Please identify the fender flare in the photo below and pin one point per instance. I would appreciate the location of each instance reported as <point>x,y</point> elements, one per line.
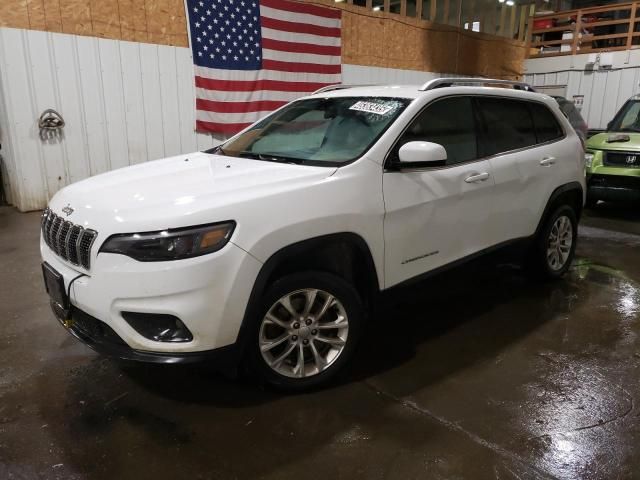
<point>260,284</point>
<point>562,189</point>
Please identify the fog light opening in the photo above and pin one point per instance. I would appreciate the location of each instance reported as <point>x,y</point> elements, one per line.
<point>159,327</point>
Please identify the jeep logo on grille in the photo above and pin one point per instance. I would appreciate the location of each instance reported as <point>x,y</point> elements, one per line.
<point>68,210</point>
<point>631,159</point>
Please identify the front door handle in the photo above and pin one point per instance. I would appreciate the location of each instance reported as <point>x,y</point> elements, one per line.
<point>547,161</point>
<point>477,177</point>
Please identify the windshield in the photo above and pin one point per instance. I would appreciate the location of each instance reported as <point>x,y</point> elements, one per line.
<point>627,119</point>
<point>317,131</point>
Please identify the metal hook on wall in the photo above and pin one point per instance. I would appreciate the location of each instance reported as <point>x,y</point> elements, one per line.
<point>50,124</point>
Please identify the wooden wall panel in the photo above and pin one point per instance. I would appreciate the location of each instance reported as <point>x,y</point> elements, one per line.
<point>369,38</point>
<point>387,40</point>
<point>149,21</point>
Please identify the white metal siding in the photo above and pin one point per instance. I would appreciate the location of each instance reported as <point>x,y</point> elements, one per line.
<point>604,89</point>
<point>123,103</point>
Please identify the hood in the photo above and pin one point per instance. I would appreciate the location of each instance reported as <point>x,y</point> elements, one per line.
<point>601,141</point>
<point>176,192</point>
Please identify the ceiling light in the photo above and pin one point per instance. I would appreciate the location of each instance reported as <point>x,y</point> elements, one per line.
<point>377,8</point>
<point>510,3</point>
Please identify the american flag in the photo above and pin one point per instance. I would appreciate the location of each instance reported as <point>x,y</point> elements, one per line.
<point>253,56</point>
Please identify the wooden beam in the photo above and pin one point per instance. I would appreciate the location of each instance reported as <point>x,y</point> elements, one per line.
<point>604,23</point>
<point>512,23</point>
<point>523,20</point>
<point>432,13</point>
<point>403,8</point>
<point>632,24</point>
<point>419,9</point>
<point>503,20</point>
<point>551,43</point>
<point>563,28</point>
<point>577,28</point>
<point>445,12</point>
<point>482,15</point>
<point>470,15</point>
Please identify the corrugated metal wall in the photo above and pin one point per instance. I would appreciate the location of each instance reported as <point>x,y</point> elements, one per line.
<point>604,89</point>
<point>123,103</point>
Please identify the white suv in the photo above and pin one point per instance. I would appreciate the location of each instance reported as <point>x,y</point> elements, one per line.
<point>272,247</point>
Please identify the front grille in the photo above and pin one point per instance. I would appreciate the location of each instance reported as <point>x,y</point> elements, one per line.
<point>67,240</point>
<point>615,181</point>
<point>622,159</point>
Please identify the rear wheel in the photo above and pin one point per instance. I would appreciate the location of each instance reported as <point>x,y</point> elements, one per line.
<point>555,245</point>
<point>306,331</point>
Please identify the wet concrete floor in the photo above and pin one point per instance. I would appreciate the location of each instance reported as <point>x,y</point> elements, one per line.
<point>476,374</point>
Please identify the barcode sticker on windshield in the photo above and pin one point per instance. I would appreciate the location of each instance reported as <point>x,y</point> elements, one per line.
<point>371,107</point>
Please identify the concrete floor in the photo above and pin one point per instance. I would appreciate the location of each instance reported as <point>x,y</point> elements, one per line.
<point>476,374</point>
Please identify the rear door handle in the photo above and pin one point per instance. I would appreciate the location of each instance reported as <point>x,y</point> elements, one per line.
<point>477,177</point>
<point>547,161</point>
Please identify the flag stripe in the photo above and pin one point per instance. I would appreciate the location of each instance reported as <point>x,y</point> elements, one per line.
<point>249,96</point>
<point>238,107</point>
<point>301,67</point>
<point>251,85</point>
<point>269,54</point>
<point>297,47</point>
<point>220,127</point>
<point>240,75</point>
<point>300,27</point>
<point>300,38</point>
<point>248,117</point>
<point>303,8</point>
<point>298,16</point>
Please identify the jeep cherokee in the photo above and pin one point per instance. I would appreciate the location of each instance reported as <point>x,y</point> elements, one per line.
<point>272,247</point>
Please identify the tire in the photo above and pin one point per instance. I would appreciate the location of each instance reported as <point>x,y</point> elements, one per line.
<point>325,349</point>
<point>546,264</point>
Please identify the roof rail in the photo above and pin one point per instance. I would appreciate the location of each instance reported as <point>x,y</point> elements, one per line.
<point>338,86</point>
<point>449,82</point>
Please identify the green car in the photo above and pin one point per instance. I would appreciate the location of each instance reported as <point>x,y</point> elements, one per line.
<point>613,158</point>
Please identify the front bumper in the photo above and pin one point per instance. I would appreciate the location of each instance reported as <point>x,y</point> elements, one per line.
<point>101,338</point>
<point>208,294</point>
<point>613,187</point>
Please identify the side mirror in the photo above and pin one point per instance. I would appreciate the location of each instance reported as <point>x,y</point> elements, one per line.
<point>422,154</point>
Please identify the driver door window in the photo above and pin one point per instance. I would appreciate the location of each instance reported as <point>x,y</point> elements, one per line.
<point>450,123</point>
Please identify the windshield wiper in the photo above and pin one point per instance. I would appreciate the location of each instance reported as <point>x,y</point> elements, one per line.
<point>216,149</point>
<point>270,158</point>
<point>627,129</point>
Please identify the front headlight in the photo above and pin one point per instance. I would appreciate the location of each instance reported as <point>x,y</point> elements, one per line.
<point>588,159</point>
<point>173,244</point>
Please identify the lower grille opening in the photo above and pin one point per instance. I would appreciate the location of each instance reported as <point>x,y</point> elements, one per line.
<point>159,327</point>
<point>95,329</point>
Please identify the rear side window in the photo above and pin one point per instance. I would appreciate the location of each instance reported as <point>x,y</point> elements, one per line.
<point>545,122</point>
<point>508,125</point>
<point>448,122</point>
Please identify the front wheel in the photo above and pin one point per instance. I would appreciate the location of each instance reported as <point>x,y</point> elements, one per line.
<point>307,330</point>
<point>555,244</point>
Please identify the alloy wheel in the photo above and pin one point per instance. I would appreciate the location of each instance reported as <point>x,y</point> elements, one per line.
<point>303,333</point>
<point>559,243</point>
